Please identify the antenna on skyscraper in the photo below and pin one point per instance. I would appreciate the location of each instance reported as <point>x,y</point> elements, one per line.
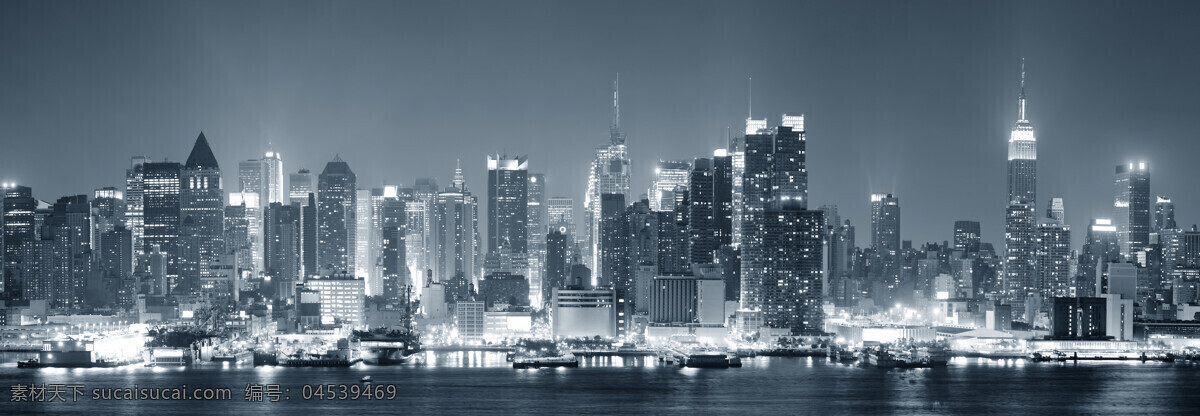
<point>750,97</point>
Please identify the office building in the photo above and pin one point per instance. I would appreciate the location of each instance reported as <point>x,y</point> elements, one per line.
<point>336,216</point>
<point>1131,205</point>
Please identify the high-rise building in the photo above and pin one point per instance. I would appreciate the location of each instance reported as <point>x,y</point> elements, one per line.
<point>202,214</point>
<point>723,197</point>
<point>702,227</point>
<point>337,219</point>
<point>609,175</point>
<point>134,202</point>
<point>250,248</point>
<point>967,236</point>
<point>1056,210</point>
<point>251,177</point>
<point>613,249</point>
<point>365,242</point>
<point>536,232</point>
<point>1164,214</point>
<point>885,223</point>
<point>1020,262</point>
<point>1101,248</point>
<point>1053,239</point>
<point>20,232</point>
<point>508,205</point>
<point>108,212</point>
<point>309,237</point>
<point>272,177</point>
<point>300,184</point>
<point>160,196</point>
<point>65,260</point>
<point>456,234</point>
<point>282,236</point>
<point>1020,220</point>
<point>1132,207</point>
<point>393,257</point>
<point>668,174</point>
<point>422,231</point>
<point>781,267</point>
<point>558,265</point>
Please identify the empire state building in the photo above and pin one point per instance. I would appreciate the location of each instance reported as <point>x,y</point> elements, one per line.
<point>1019,222</point>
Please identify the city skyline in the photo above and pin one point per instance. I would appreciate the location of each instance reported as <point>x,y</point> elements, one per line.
<point>846,127</point>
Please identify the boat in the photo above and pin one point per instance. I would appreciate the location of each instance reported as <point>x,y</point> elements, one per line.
<point>706,359</point>
<point>880,357</point>
<point>735,361</point>
<point>390,348</point>
<point>365,380</point>
<point>568,360</point>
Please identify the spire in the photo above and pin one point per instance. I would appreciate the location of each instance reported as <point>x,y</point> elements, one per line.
<point>750,98</point>
<point>458,175</point>
<point>202,155</point>
<point>614,131</point>
<point>1021,101</point>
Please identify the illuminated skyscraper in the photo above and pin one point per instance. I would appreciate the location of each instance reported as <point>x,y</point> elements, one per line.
<point>1164,214</point>
<point>1131,203</point>
<point>134,203</point>
<point>19,233</point>
<point>536,232</point>
<point>1020,220</point>
<point>456,233</point>
<point>609,175</point>
<point>337,219</point>
<point>1053,239</point>
<point>966,236</point>
<point>300,184</point>
<point>202,214</point>
<point>160,195</point>
<point>508,203</point>
<point>272,175</point>
<point>668,174</point>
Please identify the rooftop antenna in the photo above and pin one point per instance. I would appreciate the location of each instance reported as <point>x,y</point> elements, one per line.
<point>750,97</point>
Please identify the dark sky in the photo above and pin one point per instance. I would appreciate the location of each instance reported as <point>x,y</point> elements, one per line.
<point>914,98</point>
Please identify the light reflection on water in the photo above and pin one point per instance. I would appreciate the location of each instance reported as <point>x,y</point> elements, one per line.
<point>472,382</point>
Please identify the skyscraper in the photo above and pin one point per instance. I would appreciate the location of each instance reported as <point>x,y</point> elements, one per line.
<point>272,175</point>
<point>300,184</point>
<point>19,232</point>
<point>134,202</point>
<point>508,203</point>
<point>781,267</point>
<point>536,232</point>
<point>337,219</point>
<point>252,177</point>
<point>202,214</point>
<point>1053,239</point>
<point>609,175</point>
<point>1164,214</point>
<point>1132,205</point>
<point>885,223</point>
<point>702,231</point>
<point>966,236</point>
<point>668,174</point>
<point>160,195</point>
<point>1101,248</point>
<point>1056,210</point>
<point>456,233</point>
<point>1020,220</point>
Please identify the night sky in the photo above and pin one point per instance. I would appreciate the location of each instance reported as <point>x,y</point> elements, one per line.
<point>912,98</point>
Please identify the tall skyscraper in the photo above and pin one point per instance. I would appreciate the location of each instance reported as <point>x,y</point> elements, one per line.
<point>134,202</point>
<point>885,223</point>
<point>1164,214</point>
<point>967,236</point>
<point>202,214</point>
<point>456,233</point>
<point>1020,220</point>
<point>609,175</point>
<point>1101,248</point>
<point>396,282</point>
<point>252,177</point>
<point>300,184</point>
<point>160,195</point>
<point>66,258</point>
<point>19,233</point>
<point>536,232</point>
<point>723,196</point>
<point>108,212</point>
<point>337,219</point>
<point>282,239</point>
<point>1132,205</point>
<point>508,203</point>
<point>702,227</point>
<point>1053,239</point>
<point>309,237</point>
<point>668,174</point>
<point>781,267</point>
<point>272,176</point>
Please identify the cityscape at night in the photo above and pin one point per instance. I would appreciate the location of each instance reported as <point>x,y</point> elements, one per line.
<point>534,207</point>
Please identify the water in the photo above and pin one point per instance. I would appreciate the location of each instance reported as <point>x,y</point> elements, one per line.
<point>474,383</point>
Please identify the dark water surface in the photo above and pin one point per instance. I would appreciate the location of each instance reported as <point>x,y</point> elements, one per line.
<point>482,383</point>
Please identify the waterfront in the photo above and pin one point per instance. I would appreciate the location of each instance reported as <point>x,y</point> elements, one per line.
<point>474,383</point>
